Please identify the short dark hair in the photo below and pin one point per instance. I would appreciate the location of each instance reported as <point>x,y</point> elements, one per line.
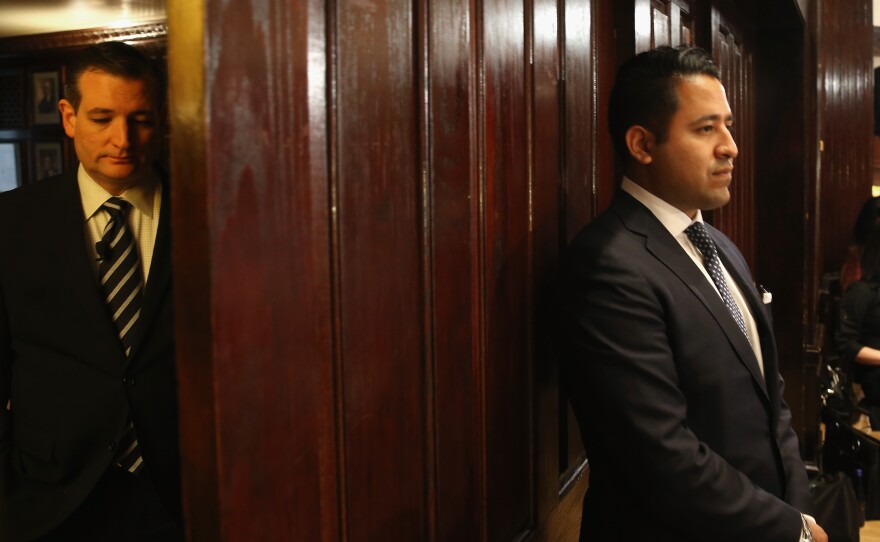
<point>115,58</point>
<point>645,91</point>
<point>871,256</point>
<point>866,220</point>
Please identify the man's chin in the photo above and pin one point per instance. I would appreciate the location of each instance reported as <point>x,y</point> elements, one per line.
<point>117,179</point>
<point>717,202</point>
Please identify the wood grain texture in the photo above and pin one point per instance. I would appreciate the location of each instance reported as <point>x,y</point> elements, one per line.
<point>382,345</point>
<point>846,122</point>
<point>454,219</point>
<point>506,270</point>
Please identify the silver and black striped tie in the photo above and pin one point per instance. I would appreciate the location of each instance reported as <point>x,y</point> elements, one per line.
<point>122,284</point>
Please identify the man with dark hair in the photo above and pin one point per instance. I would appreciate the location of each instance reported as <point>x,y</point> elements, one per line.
<point>669,356</point>
<point>88,424</point>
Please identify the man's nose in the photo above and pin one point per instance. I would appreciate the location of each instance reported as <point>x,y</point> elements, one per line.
<point>120,136</point>
<point>727,149</point>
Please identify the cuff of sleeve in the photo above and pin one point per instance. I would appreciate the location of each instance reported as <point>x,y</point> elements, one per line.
<point>806,534</point>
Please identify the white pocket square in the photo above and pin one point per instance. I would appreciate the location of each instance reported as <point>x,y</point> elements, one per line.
<point>766,297</point>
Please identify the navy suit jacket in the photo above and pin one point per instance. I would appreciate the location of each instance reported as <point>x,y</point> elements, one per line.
<point>62,365</point>
<point>686,440</point>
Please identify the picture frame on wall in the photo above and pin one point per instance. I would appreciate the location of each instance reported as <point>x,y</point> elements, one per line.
<point>10,166</point>
<point>45,95</point>
<point>48,159</point>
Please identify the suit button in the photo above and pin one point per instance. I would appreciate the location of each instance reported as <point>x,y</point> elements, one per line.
<point>128,381</point>
<point>111,446</point>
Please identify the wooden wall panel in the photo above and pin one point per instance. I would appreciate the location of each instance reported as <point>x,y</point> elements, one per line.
<point>506,270</point>
<point>669,22</point>
<point>782,181</point>
<point>579,121</point>
<point>545,174</point>
<point>388,178</point>
<point>846,122</point>
<point>381,289</point>
<point>253,273</point>
<point>579,190</point>
<point>453,214</point>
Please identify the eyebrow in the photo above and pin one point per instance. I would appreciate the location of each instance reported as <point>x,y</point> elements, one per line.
<point>104,111</point>
<point>713,118</point>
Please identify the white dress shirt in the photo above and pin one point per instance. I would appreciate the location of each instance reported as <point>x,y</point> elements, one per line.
<point>143,218</point>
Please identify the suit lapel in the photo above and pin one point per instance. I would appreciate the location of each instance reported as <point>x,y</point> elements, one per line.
<point>668,251</point>
<point>742,276</point>
<point>70,258</point>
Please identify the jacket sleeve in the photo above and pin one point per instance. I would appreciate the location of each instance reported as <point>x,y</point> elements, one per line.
<point>619,357</point>
<point>5,417</point>
<point>854,305</point>
<point>797,487</point>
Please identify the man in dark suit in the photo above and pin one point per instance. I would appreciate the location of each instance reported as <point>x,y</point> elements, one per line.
<point>669,355</point>
<point>88,424</point>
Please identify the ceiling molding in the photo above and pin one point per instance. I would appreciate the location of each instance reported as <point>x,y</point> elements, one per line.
<point>80,38</point>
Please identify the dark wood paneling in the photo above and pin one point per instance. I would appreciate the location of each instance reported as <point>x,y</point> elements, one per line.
<point>781,187</point>
<point>846,125</point>
<point>506,269</point>
<point>545,173</point>
<point>670,22</point>
<point>269,276</point>
<point>381,291</point>
<point>455,205</point>
<point>578,194</point>
<point>192,283</point>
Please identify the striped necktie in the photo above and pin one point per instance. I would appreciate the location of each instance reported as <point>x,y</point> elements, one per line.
<point>121,280</point>
<point>698,235</point>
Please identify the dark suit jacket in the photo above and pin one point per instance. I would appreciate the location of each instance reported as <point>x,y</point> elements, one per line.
<point>62,364</point>
<point>686,440</point>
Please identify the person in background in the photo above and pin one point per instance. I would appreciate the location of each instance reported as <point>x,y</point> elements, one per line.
<point>864,224</point>
<point>668,354</point>
<point>858,334</point>
<point>88,389</point>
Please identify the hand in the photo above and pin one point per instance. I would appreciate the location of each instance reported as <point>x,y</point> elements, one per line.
<point>819,534</point>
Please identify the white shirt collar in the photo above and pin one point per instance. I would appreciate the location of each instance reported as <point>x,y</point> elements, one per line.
<point>93,195</point>
<point>672,218</point>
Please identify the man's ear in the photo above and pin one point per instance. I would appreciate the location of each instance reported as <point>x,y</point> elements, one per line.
<point>640,142</point>
<point>68,117</point>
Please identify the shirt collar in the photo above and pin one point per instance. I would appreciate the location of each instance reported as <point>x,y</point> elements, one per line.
<point>93,195</point>
<point>672,218</point>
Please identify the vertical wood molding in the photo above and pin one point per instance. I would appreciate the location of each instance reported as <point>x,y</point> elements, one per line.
<point>426,222</point>
<point>191,257</point>
<point>846,109</point>
<point>332,111</point>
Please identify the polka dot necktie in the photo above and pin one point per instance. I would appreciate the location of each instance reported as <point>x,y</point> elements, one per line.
<point>698,235</point>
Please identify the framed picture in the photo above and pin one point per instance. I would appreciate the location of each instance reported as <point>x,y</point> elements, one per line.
<point>10,166</point>
<point>45,97</point>
<point>47,160</point>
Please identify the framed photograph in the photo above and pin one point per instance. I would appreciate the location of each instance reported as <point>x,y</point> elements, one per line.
<point>45,97</point>
<point>10,166</point>
<point>47,160</point>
